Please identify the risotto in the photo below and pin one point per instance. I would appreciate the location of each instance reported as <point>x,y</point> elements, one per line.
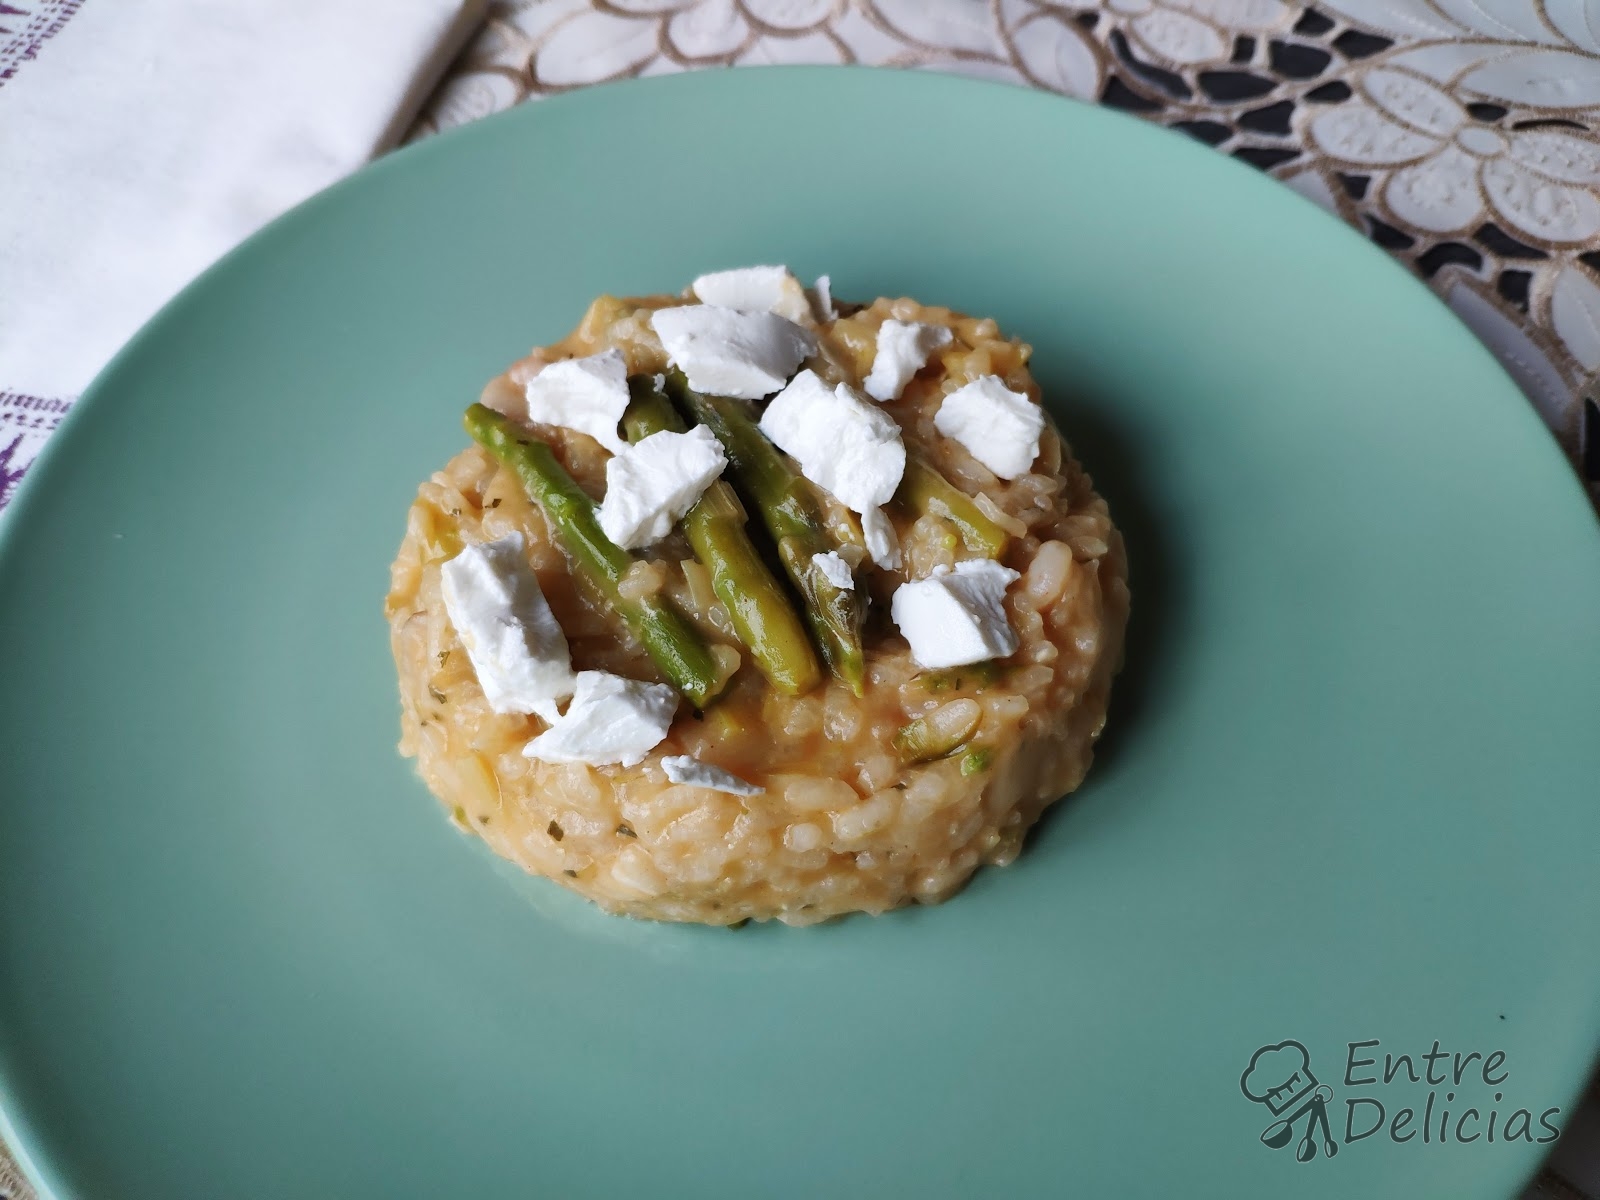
<point>783,636</point>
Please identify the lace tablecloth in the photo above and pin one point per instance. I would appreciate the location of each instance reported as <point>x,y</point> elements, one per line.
<point>1463,136</point>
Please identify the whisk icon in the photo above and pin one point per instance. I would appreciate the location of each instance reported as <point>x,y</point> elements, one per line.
<point>1279,1076</point>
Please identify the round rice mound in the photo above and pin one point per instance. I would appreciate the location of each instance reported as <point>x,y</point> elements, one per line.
<point>843,826</point>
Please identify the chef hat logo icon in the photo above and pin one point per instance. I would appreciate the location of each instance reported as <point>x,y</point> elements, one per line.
<point>1280,1077</point>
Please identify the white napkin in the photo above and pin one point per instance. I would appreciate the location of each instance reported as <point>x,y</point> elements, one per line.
<point>141,139</point>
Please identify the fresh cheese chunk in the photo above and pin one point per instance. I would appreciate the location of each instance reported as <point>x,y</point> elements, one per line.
<point>1000,428</point>
<point>903,350</point>
<point>755,289</point>
<point>501,616</point>
<point>845,444</point>
<point>651,484</point>
<point>732,353</point>
<point>586,394</point>
<point>956,617</point>
<point>683,768</point>
<point>822,295</point>
<point>835,570</point>
<point>610,720</point>
<point>883,543</point>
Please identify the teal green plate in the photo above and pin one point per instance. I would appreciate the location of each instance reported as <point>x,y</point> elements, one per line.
<point>1348,793</point>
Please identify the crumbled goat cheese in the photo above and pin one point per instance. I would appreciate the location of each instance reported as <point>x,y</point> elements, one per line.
<point>652,483</point>
<point>822,295</point>
<point>610,720</point>
<point>835,570</point>
<point>755,289</point>
<point>511,637</point>
<point>956,617</point>
<point>1000,428</point>
<point>883,543</point>
<point>682,768</point>
<point>585,394</point>
<point>844,444</point>
<point>903,350</point>
<point>732,353</point>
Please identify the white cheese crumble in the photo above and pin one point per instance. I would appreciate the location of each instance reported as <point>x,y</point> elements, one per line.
<point>732,353</point>
<point>822,294</point>
<point>883,543</point>
<point>1000,428</point>
<point>755,289</point>
<point>835,570</point>
<point>511,637</point>
<point>610,720</point>
<point>844,444</point>
<point>585,394</point>
<point>903,350</point>
<point>652,483</point>
<point>683,768</point>
<point>956,617</point>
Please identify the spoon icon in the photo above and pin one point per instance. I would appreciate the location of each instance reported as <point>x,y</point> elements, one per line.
<point>1278,1133</point>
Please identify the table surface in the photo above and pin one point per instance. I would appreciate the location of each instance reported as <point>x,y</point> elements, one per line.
<point>1463,136</point>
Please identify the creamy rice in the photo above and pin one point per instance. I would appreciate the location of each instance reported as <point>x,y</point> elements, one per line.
<point>843,825</point>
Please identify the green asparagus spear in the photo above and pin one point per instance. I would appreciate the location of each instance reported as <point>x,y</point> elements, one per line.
<point>976,762</point>
<point>757,604</point>
<point>789,512</point>
<point>976,677</point>
<point>940,732</point>
<point>924,490</point>
<point>665,633</point>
